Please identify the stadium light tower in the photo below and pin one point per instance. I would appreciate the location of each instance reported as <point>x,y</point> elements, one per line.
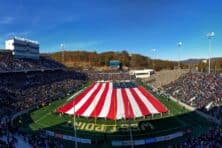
<point>179,44</point>
<point>63,52</point>
<point>210,35</point>
<point>154,50</point>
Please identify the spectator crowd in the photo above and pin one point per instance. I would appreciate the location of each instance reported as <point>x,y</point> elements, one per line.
<point>211,139</point>
<point>24,90</point>
<point>200,90</point>
<point>26,84</point>
<point>11,137</point>
<point>114,75</point>
<point>10,64</point>
<point>20,91</point>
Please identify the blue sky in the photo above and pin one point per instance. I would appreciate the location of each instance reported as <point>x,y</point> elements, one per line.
<point>103,25</point>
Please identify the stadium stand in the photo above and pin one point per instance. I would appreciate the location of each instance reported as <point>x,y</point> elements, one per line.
<point>15,138</point>
<point>28,83</point>
<point>108,75</point>
<point>21,90</point>
<point>10,64</point>
<point>25,84</point>
<point>164,77</point>
<point>211,139</point>
<point>200,90</point>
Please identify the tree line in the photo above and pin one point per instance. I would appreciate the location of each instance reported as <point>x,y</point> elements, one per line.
<point>86,59</point>
<point>216,65</point>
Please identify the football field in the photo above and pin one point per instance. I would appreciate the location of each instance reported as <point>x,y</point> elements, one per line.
<point>177,119</point>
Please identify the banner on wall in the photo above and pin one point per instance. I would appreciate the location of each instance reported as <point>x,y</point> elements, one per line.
<point>148,140</point>
<point>67,137</point>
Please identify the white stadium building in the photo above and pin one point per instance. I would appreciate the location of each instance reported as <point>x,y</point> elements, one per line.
<point>23,48</point>
<point>143,74</point>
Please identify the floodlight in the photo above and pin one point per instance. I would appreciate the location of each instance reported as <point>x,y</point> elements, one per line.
<point>210,35</point>
<point>153,49</point>
<point>179,44</point>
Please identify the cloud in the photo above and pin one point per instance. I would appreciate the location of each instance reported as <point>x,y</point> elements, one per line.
<point>6,20</point>
<point>82,45</point>
<point>22,34</point>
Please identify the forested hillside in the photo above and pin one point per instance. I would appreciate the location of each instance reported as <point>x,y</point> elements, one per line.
<point>85,59</point>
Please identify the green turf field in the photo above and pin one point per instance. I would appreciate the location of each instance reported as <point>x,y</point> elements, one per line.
<point>177,119</point>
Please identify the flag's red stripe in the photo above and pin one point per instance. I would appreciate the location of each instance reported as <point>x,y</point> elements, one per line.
<point>100,104</point>
<point>75,100</point>
<point>113,107</point>
<point>89,101</point>
<point>128,108</point>
<point>153,100</point>
<point>140,103</point>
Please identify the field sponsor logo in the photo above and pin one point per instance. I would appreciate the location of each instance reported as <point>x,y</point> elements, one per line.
<point>124,127</point>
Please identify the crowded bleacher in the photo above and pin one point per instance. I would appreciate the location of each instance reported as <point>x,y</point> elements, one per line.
<point>108,75</point>
<point>10,64</point>
<point>164,77</point>
<point>200,90</point>
<point>26,84</point>
<point>124,85</point>
<point>211,139</point>
<point>21,91</point>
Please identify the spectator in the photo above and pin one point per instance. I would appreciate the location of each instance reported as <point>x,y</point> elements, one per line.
<point>200,90</point>
<point>211,139</point>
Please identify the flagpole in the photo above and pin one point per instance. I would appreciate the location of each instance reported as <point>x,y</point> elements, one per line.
<point>209,54</point>
<point>179,44</point>
<point>153,61</point>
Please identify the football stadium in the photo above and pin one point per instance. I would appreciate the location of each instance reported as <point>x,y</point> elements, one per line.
<point>107,86</point>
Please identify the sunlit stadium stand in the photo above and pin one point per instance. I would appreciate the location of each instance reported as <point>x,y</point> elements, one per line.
<point>10,64</point>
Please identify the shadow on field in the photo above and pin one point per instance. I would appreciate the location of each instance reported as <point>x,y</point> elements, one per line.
<point>190,123</point>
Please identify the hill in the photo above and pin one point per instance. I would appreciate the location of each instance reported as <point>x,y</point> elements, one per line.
<point>197,61</point>
<point>86,59</point>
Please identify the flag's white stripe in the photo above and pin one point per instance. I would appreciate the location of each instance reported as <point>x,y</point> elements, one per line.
<point>83,100</point>
<point>135,106</point>
<point>120,105</point>
<point>147,103</point>
<point>107,104</point>
<point>92,106</point>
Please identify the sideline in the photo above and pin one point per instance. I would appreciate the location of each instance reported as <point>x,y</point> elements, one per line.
<point>78,92</point>
<point>67,100</point>
<point>75,94</point>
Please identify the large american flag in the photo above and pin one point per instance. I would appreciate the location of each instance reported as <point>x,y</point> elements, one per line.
<point>113,101</point>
